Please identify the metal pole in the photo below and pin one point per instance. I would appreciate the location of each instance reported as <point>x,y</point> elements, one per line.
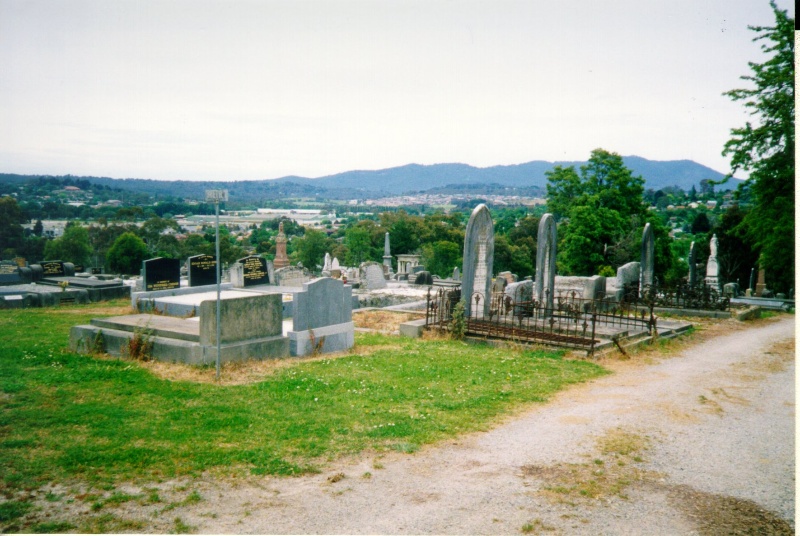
<point>216,207</point>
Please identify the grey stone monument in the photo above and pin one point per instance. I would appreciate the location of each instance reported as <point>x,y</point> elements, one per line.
<point>478,260</point>
<point>647,266</point>
<point>456,274</point>
<point>326,264</point>
<point>387,256</point>
<point>371,276</point>
<point>546,249</point>
<point>692,265</point>
<point>712,267</point>
<point>322,320</point>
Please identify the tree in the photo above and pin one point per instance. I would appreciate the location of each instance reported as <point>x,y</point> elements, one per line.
<point>441,257</point>
<point>73,246</point>
<point>700,224</point>
<point>311,248</point>
<point>127,254</point>
<point>359,245</point>
<point>11,233</point>
<point>598,203</point>
<point>765,148</point>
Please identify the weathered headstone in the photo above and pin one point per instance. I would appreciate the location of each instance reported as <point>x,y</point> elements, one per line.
<point>730,290</point>
<point>761,285</point>
<point>322,318</point>
<point>712,267</point>
<point>254,271</point>
<point>9,273</point>
<point>478,261</point>
<point>647,267</point>
<point>281,259</point>
<point>456,274</point>
<point>202,270</point>
<point>546,250</point>
<point>292,276</point>
<point>371,276</point>
<point>594,288</point>
<point>335,264</point>
<point>326,265</point>
<point>521,293</point>
<point>424,278</point>
<point>161,274</point>
<point>692,265</point>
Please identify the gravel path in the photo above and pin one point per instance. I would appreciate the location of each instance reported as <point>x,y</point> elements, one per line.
<point>702,442</point>
<point>718,422</point>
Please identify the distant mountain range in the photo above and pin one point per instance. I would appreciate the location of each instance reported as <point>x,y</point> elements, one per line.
<point>412,178</point>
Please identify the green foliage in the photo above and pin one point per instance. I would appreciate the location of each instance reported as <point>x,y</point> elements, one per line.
<point>441,257</point>
<point>359,245</point>
<point>11,233</point>
<point>516,258</point>
<point>73,246</point>
<point>458,324</point>
<point>766,148</point>
<point>127,254</point>
<point>595,208</point>
<point>310,249</point>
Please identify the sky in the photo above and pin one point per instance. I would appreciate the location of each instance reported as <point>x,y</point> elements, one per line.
<point>244,90</point>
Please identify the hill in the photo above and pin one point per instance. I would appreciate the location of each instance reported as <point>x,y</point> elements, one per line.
<point>411,178</point>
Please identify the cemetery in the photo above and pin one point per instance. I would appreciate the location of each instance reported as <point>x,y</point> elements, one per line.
<point>276,312</point>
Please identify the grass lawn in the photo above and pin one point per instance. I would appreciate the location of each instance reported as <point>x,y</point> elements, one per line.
<point>106,420</point>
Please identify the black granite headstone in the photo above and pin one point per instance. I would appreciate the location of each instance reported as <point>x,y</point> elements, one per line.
<point>52,269</point>
<point>97,271</point>
<point>202,270</point>
<point>254,270</point>
<point>161,274</point>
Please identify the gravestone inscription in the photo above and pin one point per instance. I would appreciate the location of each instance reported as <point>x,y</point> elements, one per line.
<point>202,270</point>
<point>52,269</point>
<point>161,274</point>
<point>254,271</point>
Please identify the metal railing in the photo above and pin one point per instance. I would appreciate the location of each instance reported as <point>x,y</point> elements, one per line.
<point>571,322</point>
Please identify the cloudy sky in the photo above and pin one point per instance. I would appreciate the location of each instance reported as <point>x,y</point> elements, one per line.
<point>238,90</point>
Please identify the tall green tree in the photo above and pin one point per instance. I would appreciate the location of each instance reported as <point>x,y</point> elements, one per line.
<point>127,254</point>
<point>596,208</point>
<point>311,248</point>
<point>11,233</point>
<point>73,246</point>
<point>765,148</point>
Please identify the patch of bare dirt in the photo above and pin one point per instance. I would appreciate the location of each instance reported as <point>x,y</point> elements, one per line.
<point>382,320</point>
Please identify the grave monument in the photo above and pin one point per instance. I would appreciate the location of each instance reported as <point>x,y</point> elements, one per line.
<point>322,320</point>
<point>647,266</point>
<point>546,249</point>
<point>478,261</point>
<point>281,259</point>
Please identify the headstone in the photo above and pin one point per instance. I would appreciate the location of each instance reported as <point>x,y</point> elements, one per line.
<point>752,288</point>
<point>322,318</point>
<point>761,285</point>
<point>292,276</point>
<point>21,262</point>
<point>326,266</point>
<point>627,278</point>
<point>161,274</point>
<point>692,265</point>
<point>520,293</point>
<point>281,258</point>
<point>371,276</point>
<point>595,288</point>
<point>53,269</point>
<point>236,274</point>
<point>10,273</point>
<point>456,274</point>
<point>508,276</point>
<point>424,278</point>
<point>97,271</point>
<point>335,264</point>
<point>202,270</point>
<point>546,250</point>
<point>730,290</point>
<point>478,261</point>
<point>647,267</point>
<point>712,267</point>
<point>254,271</point>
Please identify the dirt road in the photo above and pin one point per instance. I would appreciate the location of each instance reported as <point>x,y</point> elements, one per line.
<point>702,442</point>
